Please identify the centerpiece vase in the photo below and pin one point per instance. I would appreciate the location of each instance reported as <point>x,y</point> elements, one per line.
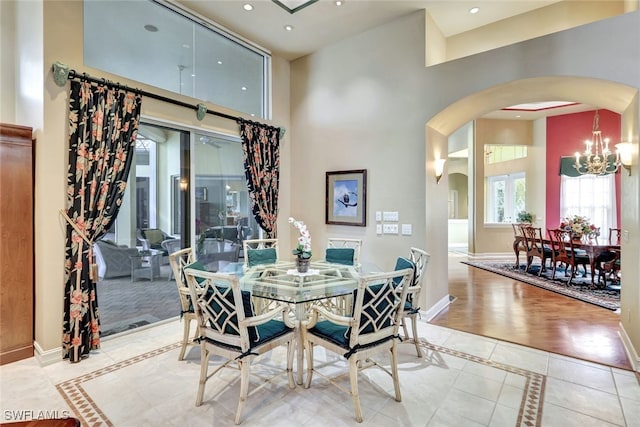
<point>576,237</point>
<point>302,264</point>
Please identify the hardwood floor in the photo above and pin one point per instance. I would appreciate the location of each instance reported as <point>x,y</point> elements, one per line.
<point>499,307</point>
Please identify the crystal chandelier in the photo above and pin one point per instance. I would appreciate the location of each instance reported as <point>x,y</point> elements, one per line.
<point>597,159</point>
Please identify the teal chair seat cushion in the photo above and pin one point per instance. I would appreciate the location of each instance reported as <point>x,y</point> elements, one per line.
<point>336,334</point>
<point>266,332</point>
<point>261,256</point>
<point>340,255</point>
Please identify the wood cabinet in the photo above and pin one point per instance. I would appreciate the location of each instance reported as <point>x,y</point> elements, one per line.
<point>16,243</point>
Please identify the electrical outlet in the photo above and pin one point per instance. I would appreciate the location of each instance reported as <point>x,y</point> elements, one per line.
<point>390,228</point>
<point>406,229</point>
<point>378,228</point>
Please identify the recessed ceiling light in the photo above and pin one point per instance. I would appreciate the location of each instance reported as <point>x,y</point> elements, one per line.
<point>339,2</point>
<point>244,88</point>
<point>518,116</point>
<point>186,46</point>
<point>151,28</point>
<point>474,10</point>
<point>193,75</point>
<point>247,6</point>
<point>288,27</point>
<point>219,62</point>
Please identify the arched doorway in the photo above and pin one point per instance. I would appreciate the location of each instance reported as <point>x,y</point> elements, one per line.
<point>612,96</point>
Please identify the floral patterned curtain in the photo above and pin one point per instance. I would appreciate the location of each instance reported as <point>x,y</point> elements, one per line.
<point>261,149</point>
<point>103,126</point>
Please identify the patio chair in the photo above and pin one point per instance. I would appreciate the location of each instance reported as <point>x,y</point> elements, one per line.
<point>170,246</point>
<point>371,329</point>
<point>229,328</point>
<point>178,260</point>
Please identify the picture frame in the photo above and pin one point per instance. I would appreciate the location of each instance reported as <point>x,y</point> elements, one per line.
<point>346,197</point>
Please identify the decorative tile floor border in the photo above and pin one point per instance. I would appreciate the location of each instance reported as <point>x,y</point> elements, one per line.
<point>83,405</point>
<point>73,392</point>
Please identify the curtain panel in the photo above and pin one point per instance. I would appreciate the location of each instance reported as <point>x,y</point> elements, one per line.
<point>103,126</point>
<point>261,152</point>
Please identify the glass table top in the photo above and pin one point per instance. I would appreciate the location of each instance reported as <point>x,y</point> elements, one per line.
<point>282,282</point>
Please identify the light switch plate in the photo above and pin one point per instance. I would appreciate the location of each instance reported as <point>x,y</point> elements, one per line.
<point>378,228</point>
<point>390,216</point>
<point>378,216</point>
<point>390,228</point>
<point>406,229</point>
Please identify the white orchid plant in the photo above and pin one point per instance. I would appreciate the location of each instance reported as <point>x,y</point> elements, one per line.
<point>303,250</point>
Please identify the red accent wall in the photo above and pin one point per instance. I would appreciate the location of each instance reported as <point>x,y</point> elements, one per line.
<point>566,135</point>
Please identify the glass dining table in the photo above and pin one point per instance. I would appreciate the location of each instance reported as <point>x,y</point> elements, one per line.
<point>282,282</point>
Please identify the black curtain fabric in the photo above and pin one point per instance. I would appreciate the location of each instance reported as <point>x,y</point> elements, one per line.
<point>103,126</point>
<point>261,151</point>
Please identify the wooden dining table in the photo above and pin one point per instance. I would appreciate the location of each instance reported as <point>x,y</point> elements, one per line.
<point>592,248</point>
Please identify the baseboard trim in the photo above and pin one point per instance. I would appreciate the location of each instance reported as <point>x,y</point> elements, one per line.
<point>633,356</point>
<point>47,357</point>
<point>435,309</point>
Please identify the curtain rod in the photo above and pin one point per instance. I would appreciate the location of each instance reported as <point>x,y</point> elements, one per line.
<point>62,73</point>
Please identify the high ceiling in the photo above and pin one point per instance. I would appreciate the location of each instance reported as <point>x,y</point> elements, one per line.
<point>323,22</point>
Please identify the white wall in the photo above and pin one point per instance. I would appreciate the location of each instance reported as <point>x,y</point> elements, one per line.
<point>372,114</point>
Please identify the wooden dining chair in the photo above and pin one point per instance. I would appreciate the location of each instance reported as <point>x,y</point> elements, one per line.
<point>608,262</point>
<point>229,328</point>
<point>518,241</point>
<point>564,251</point>
<point>371,329</point>
<point>178,260</point>
<point>535,248</point>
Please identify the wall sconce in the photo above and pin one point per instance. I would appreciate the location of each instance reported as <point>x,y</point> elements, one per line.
<point>184,184</point>
<point>439,168</point>
<point>625,155</point>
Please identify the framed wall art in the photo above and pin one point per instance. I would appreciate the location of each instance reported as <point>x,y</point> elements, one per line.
<point>346,197</point>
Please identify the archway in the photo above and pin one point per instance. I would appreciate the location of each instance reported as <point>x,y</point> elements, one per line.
<point>612,96</point>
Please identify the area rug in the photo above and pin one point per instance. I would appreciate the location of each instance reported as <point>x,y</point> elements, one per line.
<point>579,288</point>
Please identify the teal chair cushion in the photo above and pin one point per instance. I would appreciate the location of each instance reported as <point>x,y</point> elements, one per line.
<point>337,334</point>
<point>196,265</point>
<point>261,256</point>
<point>401,264</point>
<point>340,255</point>
<point>221,309</point>
<point>270,330</point>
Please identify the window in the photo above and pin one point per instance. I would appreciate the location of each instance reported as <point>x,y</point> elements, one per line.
<point>592,196</point>
<point>158,45</point>
<point>504,153</point>
<point>505,197</point>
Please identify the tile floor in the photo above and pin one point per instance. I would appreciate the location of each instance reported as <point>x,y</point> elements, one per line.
<point>463,380</point>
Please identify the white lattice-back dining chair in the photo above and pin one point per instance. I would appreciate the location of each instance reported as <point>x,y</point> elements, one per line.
<point>335,251</point>
<point>370,330</point>
<point>178,260</point>
<point>259,251</point>
<point>229,328</point>
<point>419,259</point>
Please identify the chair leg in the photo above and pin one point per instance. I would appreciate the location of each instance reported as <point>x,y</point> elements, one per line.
<point>290,351</point>
<point>204,363</point>
<point>185,337</point>
<point>414,327</point>
<point>394,372</point>
<point>309,345</point>
<point>353,376</point>
<point>244,386</point>
<point>404,327</point>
